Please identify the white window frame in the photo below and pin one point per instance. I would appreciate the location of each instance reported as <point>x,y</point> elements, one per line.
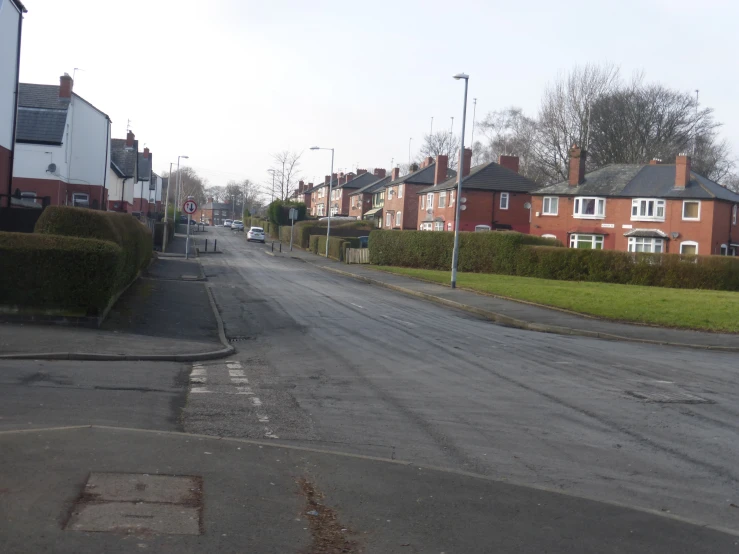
<point>398,218</point>
<point>482,228</point>
<point>451,198</point>
<point>80,194</point>
<point>427,226</point>
<point>599,202</point>
<point>29,195</point>
<point>442,199</point>
<point>504,196</point>
<point>643,204</point>
<point>724,250</point>
<point>430,201</point>
<point>699,210</point>
<point>653,243</point>
<point>689,243</point>
<point>547,209</point>
<point>400,190</point>
<point>438,225</point>
<point>388,219</point>
<point>549,236</point>
<point>733,214</point>
<point>574,239</point>
<point>422,203</point>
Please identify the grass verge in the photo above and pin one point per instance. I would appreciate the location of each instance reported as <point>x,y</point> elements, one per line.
<point>704,310</point>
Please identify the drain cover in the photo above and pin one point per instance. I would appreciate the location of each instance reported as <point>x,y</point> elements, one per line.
<point>139,503</point>
<point>676,397</point>
<point>237,339</point>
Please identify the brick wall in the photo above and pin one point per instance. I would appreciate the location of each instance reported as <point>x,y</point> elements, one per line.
<point>59,191</point>
<point>363,203</point>
<point>408,205</point>
<point>483,208</point>
<point>517,216</point>
<point>4,173</point>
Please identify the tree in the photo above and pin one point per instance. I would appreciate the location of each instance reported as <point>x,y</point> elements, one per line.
<point>508,132</point>
<point>440,143</point>
<point>286,168</point>
<point>191,185</point>
<point>218,194</point>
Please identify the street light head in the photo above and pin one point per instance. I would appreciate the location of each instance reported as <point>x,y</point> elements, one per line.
<point>185,157</point>
<point>459,76</point>
<point>315,148</point>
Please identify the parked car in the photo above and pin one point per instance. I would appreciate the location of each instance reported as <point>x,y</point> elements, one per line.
<point>237,225</point>
<point>227,223</point>
<point>255,234</point>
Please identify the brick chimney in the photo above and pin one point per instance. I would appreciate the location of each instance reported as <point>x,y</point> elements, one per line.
<point>655,161</point>
<point>509,162</point>
<point>336,178</point>
<point>427,161</point>
<point>210,200</point>
<point>682,171</point>
<point>129,139</point>
<point>146,152</point>
<point>326,179</point>
<point>379,172</point>
<point>342,180</point>
<point>395,174</point>
<point>361,172</point>
<point>442,164</point>
<point>310,186</point>
<point>577,165</point>
<point>349,176</point>
<point>301,186</point>
<point>467,165</point>
<point>65,86</point>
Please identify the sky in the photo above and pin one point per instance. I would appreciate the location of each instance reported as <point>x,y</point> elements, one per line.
<point>231,82</point>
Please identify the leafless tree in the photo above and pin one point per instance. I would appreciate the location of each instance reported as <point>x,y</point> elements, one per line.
<point>440,143</point>
<point>192,185</point>
<point>286,168</point>
<point>508,132</point>
<point>731,182</point>
<point>217,193</point>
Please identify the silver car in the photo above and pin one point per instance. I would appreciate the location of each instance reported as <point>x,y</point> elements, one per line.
<point>237,225</point>
<point>255,234</point>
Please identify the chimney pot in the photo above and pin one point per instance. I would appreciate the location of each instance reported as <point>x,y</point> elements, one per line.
<point>129,139</point>
<point>442,164</point>
<point>379,172</point>
<point>577,165</point>
<point>146,152</point>
<point>395,174</point>
<point>682,171</point>
<point>66,84</point>
<point>467,163</point>
<point>509,162</point>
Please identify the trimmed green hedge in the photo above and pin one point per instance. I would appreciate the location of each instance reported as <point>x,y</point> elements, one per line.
<point>58,272</point>
<point>304,230</point>
<point>278,212</point>
<point>336,247</point>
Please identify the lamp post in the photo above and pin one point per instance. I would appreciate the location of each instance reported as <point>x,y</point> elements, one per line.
<point>166,208</point>
<point>179,183</point>
<point>272,171</point>
<point>455,253</point>
<point>330,184</point>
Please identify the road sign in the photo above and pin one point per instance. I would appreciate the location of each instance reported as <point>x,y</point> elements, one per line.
<point>189,207</point>
<point>293,214</point>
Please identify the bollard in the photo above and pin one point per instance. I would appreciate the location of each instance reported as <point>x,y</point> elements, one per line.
<point>206,245</point>
<point>215,245</point>
<point>280,247</point>
<point>273,246</point>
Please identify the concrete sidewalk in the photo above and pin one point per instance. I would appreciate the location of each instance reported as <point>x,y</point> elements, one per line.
<point>521,314</point>
<point>97,489</point>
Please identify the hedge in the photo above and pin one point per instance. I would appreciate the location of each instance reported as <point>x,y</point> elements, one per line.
<point>336,247</point>
<point>304,230</point>
<point>478,252</point>
<point>133,237</point>
<point>159,232</point>
<point>58,272</point>
<point>278,212</point>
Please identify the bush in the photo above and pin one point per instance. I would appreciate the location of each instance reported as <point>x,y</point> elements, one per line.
<point>278,212</point>
<point>58,272</point>
<point>336,246</point>
<point>304,230</point>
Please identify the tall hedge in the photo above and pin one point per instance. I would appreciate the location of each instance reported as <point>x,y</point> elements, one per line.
<point>336,246</point>
<point>304,230</point>
<point>278,212</point>
<point>58,272</point>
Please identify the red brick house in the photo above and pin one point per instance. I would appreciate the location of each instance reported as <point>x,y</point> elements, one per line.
<point>317,196</point>
<point>496,197</point>
<point>638,208</point>
<point>401,194</point>
<point>341,200</point>
<point>368,201</point>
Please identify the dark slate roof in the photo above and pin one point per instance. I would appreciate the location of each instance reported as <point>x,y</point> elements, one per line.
<point>489,176</point>
<point>639,180</point>
<point>359,182</point>
<point>423,176</point>
<point>123,157</point>
<point>144,172</point>
<point>117,170</point>
<point>373,187</point>
<point>21,7</point>
<point>41,126</point>
<point>41,96</point>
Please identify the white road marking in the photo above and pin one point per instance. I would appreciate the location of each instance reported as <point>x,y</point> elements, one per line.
<point>234,365</point>
<point>236,372</point>
<point>198,380</point>
<point>196,390</point>
<point>262,418</point>
<point>398,320</point>
<point>269,434</point>
<point>244,390</point>
<point>256,401</point>
<point>357,305</point>
<point>197,373</point>
<point>241,380</point>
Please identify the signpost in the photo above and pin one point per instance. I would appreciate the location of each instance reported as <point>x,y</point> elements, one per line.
<point>189,207</point>
<point>293,217</point>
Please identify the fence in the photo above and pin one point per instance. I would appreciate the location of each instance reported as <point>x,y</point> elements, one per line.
<point>22,214</point>
<point>357,256</point>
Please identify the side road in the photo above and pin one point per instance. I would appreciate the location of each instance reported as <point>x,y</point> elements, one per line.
<point>104,489</point>
<point>520,314</point>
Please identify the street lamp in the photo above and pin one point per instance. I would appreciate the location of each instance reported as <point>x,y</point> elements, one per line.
<point>330,184</point>
<point>179,183</point>
<point>455,253</point>
<point>272,171</point>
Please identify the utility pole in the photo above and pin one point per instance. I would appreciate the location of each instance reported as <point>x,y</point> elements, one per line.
<point>695,133</point>
<point>432,126</point>
<point>409,154</point>
<point>451,131</point>
<point>474,112</point>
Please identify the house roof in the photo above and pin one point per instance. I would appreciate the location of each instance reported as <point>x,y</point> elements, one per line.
<point>360,181</point>
<point>124,158</point>
<point>144,172</point>
<point>221,206</point>
<point>488,176</point>
<point>640,180</point>
<point>423,176</point>
<point>20,6</point>
<point>374,186</point>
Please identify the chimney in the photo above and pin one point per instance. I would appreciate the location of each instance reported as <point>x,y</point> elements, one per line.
<point>655,161</point>
<point>682,171</point>
<point>310,186</point>
<point>427,161</point>
<point>349,176</point>
<point>146,152</point>
<point>379,172</point>
<point>335,178</point>
<point>65,86</point>
<point>442,164</point>
<point>210,200</point>
<point>467,164</point>
<point>129,139</point>
<point>301,186</point>
<point>395,174</point>
<point>577,165</point>
<point>361,172</point>
<point>509,162</point>
<point>342,180</point>
<point>327,179</point>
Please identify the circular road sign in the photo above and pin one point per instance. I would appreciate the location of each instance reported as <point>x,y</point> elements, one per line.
<point>190,206</point>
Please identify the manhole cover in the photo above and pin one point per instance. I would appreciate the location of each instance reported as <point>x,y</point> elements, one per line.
<point>139,503</point>
<point>676,397</point>
<point>237,339</point>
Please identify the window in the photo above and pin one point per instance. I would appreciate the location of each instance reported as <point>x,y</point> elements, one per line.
<point>80,199</point>
<point>724,250</point>
<point>430,200</point>
<point>647,209</point>
<point>733,214</point>
<point>691,210</point>
<point>482,228</point>
<point>438,225</point>
<point>426,227</point>
<point>550,205</point>
<point>689,248</point>
<point>503,200</point>
<point>400,190</point>
<point>646,244</point>
<point>549,236</point>
<point>590,207</point>
<point>398,218</point>
<point>334,210</point>
<point>451,197</point>
<point>388,219</point>
<point>423,202</point>
<point>442,199</point>
<point>32,195</point>
<point>591,242</point>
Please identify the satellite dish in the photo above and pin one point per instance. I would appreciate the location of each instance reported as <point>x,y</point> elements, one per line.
<point>463,207</point>
<point>430,211</point>
<point>51,168</point>
<point>527,205</point>
<point>674,234</point>
<point>463,199</point>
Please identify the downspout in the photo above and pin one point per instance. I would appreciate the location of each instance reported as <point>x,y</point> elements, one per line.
<point>103,194</point>
<point>15,113</point>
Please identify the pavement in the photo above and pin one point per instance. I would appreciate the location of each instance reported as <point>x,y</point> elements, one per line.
<point>521,314</point>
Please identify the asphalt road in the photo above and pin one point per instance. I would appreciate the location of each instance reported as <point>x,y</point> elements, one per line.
<point>338,364</point>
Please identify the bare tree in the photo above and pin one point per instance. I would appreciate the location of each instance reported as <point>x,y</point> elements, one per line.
<point>286,168</point>
<point>217,193</point>
<point>191,184</point>
<point>440,143</point>
<point>508,132</point>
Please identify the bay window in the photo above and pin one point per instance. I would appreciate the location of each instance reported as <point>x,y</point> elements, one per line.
<point>591,242</point>
<point>442,199</point>
<point>550,205</point>
<point>647,209</point>
<point>589,207</point>
<point>438,225</point>
<point>646,244</point>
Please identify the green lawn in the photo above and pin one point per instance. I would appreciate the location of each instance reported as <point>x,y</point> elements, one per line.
<point>687,308</point>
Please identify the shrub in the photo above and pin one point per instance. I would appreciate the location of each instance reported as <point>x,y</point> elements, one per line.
<point>58,272</point>
<point>305,229</point>
<point>336,245</point>
<point>278,212</point>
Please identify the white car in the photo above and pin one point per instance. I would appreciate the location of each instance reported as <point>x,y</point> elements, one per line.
<point>228,223</point>
<point>237,225</point>
<point>255,234</point>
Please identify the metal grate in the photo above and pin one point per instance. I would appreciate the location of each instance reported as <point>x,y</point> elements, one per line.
<point>677,397</point>
<point>237,339</point>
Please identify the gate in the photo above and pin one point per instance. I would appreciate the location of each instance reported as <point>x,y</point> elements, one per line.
<point>357,256</point>
<point>22,213</point>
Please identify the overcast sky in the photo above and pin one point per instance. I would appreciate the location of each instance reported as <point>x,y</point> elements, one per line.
<point>230,82</point>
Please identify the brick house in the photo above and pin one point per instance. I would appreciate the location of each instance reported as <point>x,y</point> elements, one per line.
<point>638,208</point>
<point>62,146</point>
<point>215,213</point>
<point>496,197</point>
<point>367,202</point>
<point>317,196</point>
<point>341,203</point>
<point>122,173</point>
<point>11,22</point>
<point>401,193</point>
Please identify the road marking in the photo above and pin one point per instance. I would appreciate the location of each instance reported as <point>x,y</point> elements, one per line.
<point>256,401</point>
<point>196,390</point>
<point>269,434</point>
<point>244,390</point>
<point>398,320</point>
<point>236,372</point>
<point>197,373</point>
<point>241,380</point>
<point>198,380</point>
<point>234,365</point>
<point>262,418</point>
<point>357,305</point>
